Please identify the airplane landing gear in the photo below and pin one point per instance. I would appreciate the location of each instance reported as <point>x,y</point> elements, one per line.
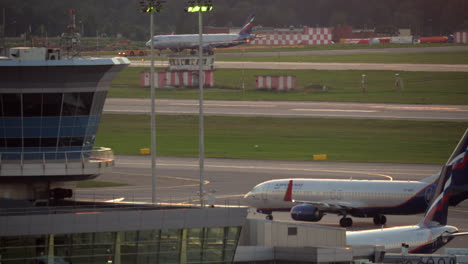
<point>380,220</point>
<point>269,217</point>
<point>346,222</point>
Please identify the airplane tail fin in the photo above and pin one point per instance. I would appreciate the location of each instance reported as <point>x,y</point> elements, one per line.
<point>288,194</point>
<point>247,28</point>
<point>459,162</point>
<point>454,175</point>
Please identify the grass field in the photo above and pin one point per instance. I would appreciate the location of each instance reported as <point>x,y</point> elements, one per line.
<point>445,57</point>
<point>344,86</point>
<point>449,57</point>
<point>285,139</point>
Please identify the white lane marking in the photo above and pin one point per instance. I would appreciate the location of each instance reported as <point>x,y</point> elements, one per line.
<point>292,115</point>
<point>333,110</point>
<point>420,108</point>
<point>264,168</point>
<point>227,105</point>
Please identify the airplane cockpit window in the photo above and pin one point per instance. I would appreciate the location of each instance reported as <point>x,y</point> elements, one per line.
<point>257,189</point>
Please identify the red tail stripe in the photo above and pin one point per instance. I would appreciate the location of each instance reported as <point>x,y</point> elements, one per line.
<point>288,194</point>
<point>462,163</point>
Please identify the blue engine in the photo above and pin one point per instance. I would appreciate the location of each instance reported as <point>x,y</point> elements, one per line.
<point>306,212</point>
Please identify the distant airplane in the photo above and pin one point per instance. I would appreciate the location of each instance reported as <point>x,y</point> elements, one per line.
<point>432,232</point>
<point>177,43</point>
<point>311,199</point>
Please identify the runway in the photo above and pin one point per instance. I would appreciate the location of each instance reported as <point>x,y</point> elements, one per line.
<point>344,52</point>
<point>291,109</point>
<point>232,178</point>
<point>177,181</point>
<point>332,66</point>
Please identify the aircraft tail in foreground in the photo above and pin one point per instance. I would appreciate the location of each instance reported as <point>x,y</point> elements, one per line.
<point>454,176</point>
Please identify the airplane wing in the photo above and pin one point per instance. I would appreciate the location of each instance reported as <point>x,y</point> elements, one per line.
<point>328,206</point>
<point>455,234</point>
<point>225,44</point>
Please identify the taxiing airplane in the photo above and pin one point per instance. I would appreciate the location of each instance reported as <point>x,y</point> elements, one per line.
<point>311,199</point>
<point>432,232</point>
<point>178,43</point>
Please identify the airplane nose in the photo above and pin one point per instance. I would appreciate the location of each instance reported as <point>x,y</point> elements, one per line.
<point>249,199</point>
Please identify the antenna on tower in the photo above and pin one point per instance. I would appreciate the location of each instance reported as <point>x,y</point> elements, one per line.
<point>70,40</point>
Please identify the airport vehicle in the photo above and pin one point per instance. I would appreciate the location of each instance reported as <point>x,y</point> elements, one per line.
<point>310,199</point>
<point>133,52</point>
<point>178,43</point>
<point>432,232</point>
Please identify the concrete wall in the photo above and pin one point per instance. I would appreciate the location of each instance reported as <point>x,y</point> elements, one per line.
<point>120,220</point>
<point>266,233</point>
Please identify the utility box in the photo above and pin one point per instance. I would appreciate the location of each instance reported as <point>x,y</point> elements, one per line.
<point>275,82</point>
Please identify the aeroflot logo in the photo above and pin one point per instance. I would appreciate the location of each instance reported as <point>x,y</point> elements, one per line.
<point>428,194</point>
<point>285,185</point>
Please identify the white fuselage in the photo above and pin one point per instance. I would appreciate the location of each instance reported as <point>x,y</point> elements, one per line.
<point>351,193</point>
<point>392,238</point>
<point>191,41</point>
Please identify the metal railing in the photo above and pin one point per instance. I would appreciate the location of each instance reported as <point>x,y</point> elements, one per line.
<point>66,159</point>
<point>86,206</point>
<point>45,156</point>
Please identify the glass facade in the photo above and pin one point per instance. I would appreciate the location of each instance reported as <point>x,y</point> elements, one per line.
<point>48,122</point>
<point>191,245</point>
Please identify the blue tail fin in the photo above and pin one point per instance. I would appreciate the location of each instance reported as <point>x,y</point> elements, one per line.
<point>247,28</point>
<point>436,214</point>
<point>459,162</point>
<point>454,175</point>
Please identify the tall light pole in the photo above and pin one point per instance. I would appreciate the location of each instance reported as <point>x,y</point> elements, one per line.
<point>151,6</point>
<point>200,6</point>
<point>3,34</point>
<point>201,123</point>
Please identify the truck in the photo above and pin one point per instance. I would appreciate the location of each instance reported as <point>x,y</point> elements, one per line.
<point>133,52</point>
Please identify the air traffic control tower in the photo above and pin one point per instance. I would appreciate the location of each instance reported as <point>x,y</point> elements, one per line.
<point>50,110</point>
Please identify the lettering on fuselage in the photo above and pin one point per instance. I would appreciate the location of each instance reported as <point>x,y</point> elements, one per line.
<point>279,186</point>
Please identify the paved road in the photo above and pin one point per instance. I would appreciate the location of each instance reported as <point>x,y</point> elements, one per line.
<point>324,66</point>
<point>332,66</point>
<point>232,178</point>
<point>177,181</point>
<point>344,52</point>
<point>292,109</point>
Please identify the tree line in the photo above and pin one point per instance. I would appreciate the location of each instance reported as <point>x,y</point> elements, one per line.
<point>111,17</point>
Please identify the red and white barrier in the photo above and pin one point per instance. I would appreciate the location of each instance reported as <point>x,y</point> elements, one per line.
<point>275,82</point>
<point>175,79</point>
<point>461,37</point>
<point>310,36</point>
